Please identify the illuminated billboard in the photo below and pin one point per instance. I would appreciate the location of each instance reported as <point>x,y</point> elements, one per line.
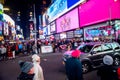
<point>57,8</point>
<point>45,21</point>
<point>6,29</point>
<point>46,30</point>
<point>92,12</point>
<point>63,35</point>
<point>73,3</point>
<point>52,27</point>
<point>68,22</point>
<point>1,25</point>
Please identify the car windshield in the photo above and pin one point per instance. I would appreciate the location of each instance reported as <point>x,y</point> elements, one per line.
<point>85,48</point>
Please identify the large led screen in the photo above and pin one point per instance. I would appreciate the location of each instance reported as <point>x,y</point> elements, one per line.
<point>57,8</point>
<point>95,11</point>
<point>45,21</point>
<point>48,27</point>
<point>70,34</point>
<point>73,3</point>
<point>45,31</point>
<point>6,30</point>
<point>1,25</point>
<point>78,33</point>
<point>63,35</point>
<point>52,27</point>
<point>68,21</point>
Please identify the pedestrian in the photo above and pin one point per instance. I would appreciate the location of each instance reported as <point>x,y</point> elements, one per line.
<point>27,71</point>
<point>3,52</point>
<point>37,68</point>
<point>107,72</point>
<point>73,66</point>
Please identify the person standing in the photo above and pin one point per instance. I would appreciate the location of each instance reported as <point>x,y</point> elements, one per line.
<point>37,68</point>
<point>107,72</point>
<point>73,66</point>
<point>9,51</point>
<point>3,52</point>
<point>27,70</point>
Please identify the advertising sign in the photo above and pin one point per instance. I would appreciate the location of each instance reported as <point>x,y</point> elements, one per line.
<point>92,12</point>
<point>52,27</point>
<point>68,22</point>
<point>63,35</point>
<point>70,34</point>
<point>45,31</point>
<point>46,49</point>
<point>57,36</point>
<point>73,3</point>
<point>1,25</point>
<point>49,29</point>
<point>6,29</point>
<point>78,33</point>
<point>57,8</point>
<point>41,36</point>
<point>1,7</point>
<point>45,21</point>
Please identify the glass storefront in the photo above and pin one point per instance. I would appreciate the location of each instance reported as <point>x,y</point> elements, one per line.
<point>99,33</point>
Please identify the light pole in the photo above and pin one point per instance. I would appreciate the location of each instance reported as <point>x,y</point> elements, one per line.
<point>35,30</point>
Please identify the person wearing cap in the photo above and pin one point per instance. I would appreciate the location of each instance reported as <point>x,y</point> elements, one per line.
<point>27,70</point>
<point>73,66</point>
<point>107,72</point>
<point>37,68</point>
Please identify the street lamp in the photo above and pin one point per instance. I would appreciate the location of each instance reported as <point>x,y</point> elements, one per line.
<point>35,31</point>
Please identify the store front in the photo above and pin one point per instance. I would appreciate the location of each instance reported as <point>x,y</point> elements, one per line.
<point>102,31</point>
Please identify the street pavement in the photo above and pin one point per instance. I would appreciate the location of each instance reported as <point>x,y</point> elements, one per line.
<point>51,64</point>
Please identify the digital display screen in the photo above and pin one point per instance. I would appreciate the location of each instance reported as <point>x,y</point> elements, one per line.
<point>92,12</point>
<point>45,21</point>
<point>6,30</point>
<point>57,8</point>
<point>71,2</point>
<point>52,27</point>
<point>48,29</point>
<point>68,22</point>
<point>57,36</point>
<point>93,32</point>
<point>78,33</point>
<point>63,35</point>
<point>45,31</point>
<point>70,34</point>
<point>1,24</point>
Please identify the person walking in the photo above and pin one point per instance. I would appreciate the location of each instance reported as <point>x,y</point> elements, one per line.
<point>27,70</point>
<point>107,72</point>
<point>3,52</point>
<point>73,66</point>
<point>37,68</point>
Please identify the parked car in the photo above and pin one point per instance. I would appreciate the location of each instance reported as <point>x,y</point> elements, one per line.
<point>92,54</point>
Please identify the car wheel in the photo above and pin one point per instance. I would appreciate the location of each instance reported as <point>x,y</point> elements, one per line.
<point>116,61</point>
<point>85,67</point>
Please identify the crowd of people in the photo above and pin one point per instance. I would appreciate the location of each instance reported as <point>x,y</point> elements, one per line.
<point>9,50</point>
<point>73,66</point>
<point>33,70</point>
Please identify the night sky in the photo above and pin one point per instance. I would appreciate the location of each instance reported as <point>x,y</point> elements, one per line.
<point>25,6</point>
